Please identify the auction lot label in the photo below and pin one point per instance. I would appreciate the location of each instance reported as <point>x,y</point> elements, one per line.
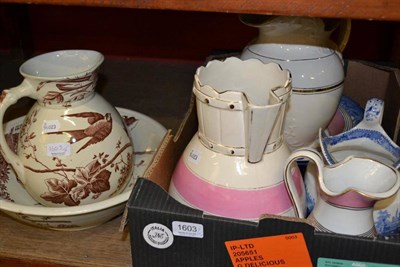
<point>288,250</point>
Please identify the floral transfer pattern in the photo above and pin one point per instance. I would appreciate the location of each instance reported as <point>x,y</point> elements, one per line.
<point>69,90</point>
<point>48,222</point>
<point>12,140</point>
<point>388,224</point>
<point>3,95</point>
<point>100,126</point>
<point>147,137</point>
<point>71,185</point>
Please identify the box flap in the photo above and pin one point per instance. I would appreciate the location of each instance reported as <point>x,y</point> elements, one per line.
<point>365,80</point>
<point>362,81</point>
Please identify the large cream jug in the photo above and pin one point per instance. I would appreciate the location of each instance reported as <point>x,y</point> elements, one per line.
<point>233,166</point>
<point>73,147</point>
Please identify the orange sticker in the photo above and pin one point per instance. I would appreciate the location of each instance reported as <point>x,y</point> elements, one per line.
<point>282,250</point>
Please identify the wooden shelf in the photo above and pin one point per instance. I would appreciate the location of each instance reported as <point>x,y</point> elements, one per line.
<point>357,9</point>
<point>103,246</point>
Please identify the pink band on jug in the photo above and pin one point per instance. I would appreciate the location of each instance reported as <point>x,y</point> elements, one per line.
<point>232,203</point>
<point>351,200</point>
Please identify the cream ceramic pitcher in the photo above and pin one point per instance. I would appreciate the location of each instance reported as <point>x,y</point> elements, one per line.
<point>73,147</point>
<point>367,139</point>
<point>233,166</point>
<point>304,47</point>
<point>348,191</point>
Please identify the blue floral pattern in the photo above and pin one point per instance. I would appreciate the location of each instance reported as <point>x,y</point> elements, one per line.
<point>352,108</point>
<point>386,224</point>
<point>374,110</point>
<point>373,135</point>
<point>310,199</point>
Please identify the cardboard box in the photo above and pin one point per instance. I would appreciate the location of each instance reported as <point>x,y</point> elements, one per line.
<point>365,80</point>
<point>166,233</point>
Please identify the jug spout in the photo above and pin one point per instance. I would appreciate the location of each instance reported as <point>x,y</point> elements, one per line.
<point>264,124</point>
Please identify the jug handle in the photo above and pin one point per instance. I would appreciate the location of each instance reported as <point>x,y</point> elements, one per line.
<point>374,111</point>
<point>300,209</point>
<point>344,34</point>
<point>9,97</point>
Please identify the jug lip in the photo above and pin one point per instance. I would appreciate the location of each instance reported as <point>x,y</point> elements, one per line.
<point>376,195</point>
<point>89,60</point>
<point>351,140</point>
<point>237,95</point>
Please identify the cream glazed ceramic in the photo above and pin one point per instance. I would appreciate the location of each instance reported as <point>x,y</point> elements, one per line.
<point>348,191</point>
<point>367,139</point>
<point>146,134</point>
<point>233,166</point>
<point>318,77</point>
<point>73,147</point>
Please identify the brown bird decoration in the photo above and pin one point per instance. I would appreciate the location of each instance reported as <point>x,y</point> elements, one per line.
<point>99,128</point>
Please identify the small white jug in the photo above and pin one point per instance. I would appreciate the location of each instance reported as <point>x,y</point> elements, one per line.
<point>348,191</point>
